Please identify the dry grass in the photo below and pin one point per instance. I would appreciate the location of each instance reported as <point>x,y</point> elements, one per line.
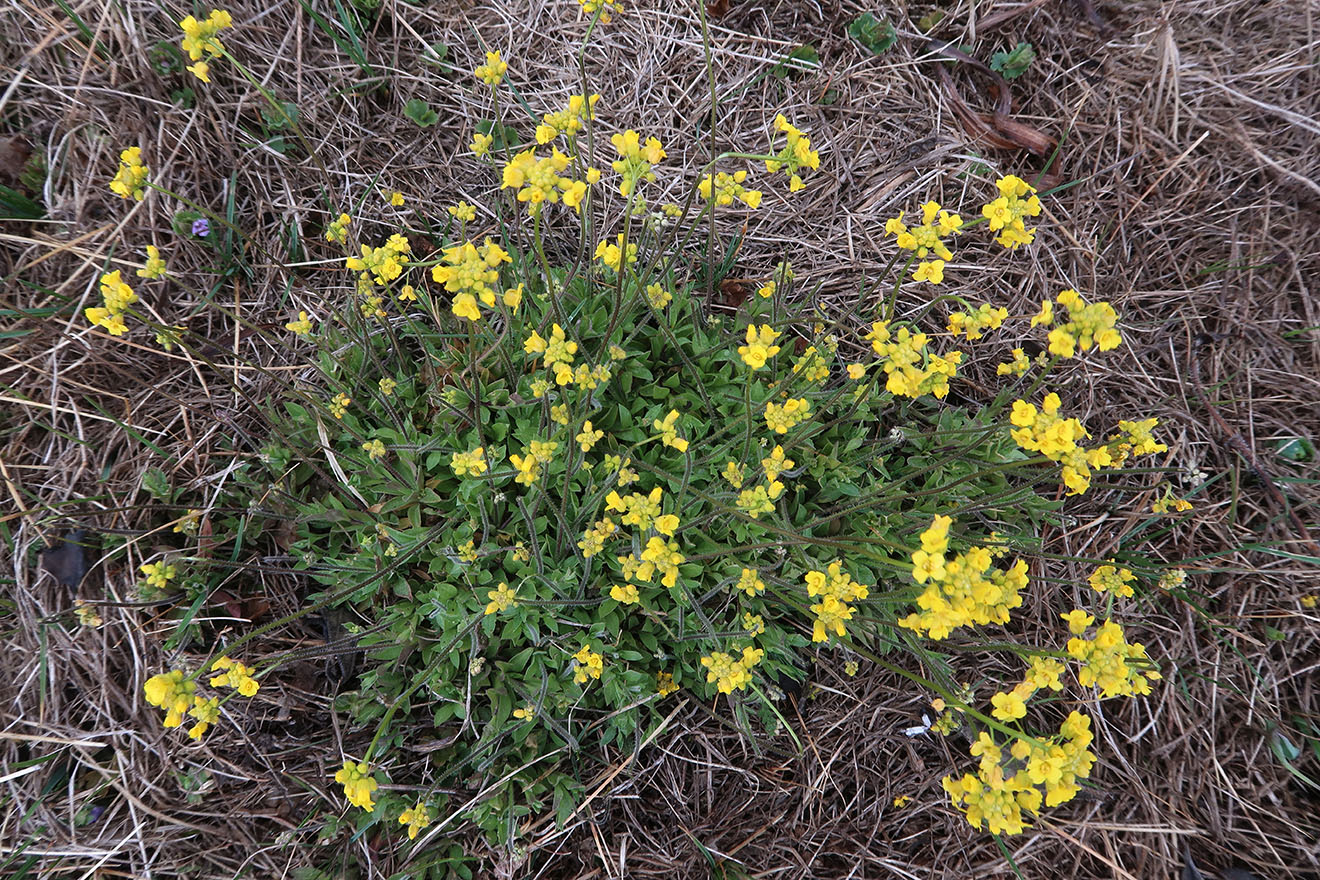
<point>1193,129</point>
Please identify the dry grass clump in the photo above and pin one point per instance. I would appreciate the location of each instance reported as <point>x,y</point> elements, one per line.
<point>1193,131</point>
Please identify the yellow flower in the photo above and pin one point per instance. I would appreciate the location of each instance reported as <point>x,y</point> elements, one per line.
<point>501,599</point>
<point>668,433</point>
<point>465,306</point>
<point>657,296</point>
<point>750,582</point>
<point>472,462</point>
<point>492,72</point>
<point>588,664</point>
<point>416,818</point>
<point>635,160</point>
<point>1005,214</point>
<point>856,371</point>
<point>781,418</point>
<point>131,179</point>
<point>625,594</point>
<point>1008,706</point>
<point>155,266</point>
<point>339,405</point>
<point>1108,578</point>
<point>727,188</point>
<point>301,327</point>
<point>463,212</point>
<point>588,437</point>
<point>375,450</point>
<point>931,270</point>
<point>395,198</point>
<point>760,345</point>
<point>480,145</point>
<point>358,784</point>
<point>201,70</point>
<point>604,7</point>
<point>159,574</point>
<point>664,684</point>
<point>337,230</point>
<point>796,154</point>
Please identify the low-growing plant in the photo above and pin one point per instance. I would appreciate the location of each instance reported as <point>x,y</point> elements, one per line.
<point>553,496</point>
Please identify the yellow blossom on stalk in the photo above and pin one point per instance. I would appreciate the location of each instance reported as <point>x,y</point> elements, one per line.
<point>1056,438</point>
<point>926,239</point>
<point>492,72</point>
<point>1006,213</point>
<point>159,574</point>
<point>339,405</point>
<point>1087,325</point>
<point>728,188</point>
<point>201,70</point>
<point>974,324</point>
<point>835,588</point>
<point>753,624</point>
<point>235,675</point>
<point>172,692</point>
<point>612,254</point>
<point>1077,620</point>
<point>1110,579</point>
<point>568,121</point>
<point>750,582</point>
<point>535,457</point>
<point>668,433</point>
<point>812,365</point>
<point>912,369</point>
<point>638,510</point>
<point>588,664</point>
<point>513,298</point>
<point>796,154</point>
<point>480,145</point>
<point>408,293</point>
<point>767,290</point>
<point>116,297</point>
<point>1012,705</point>
<point>155,266</point>
<point>658,296</point>
<point>1167,503</point>
<point>594,538</point>
<point>625,594</point>
<point>337,230</point>
<point>728,674</point>
<point>358,784</point>
<point>1111,663</point>
<point>781,418</point>
<point>463,212</point>
<point>525,712</point>
<point>375,450</point>
<point>636,160</point>
<point>664,684</point>
<point>383,264</point>
<point>604,7</point>
<point>501,599</point>
<point>300,327</point>
<point>760,345</point>
<point>469,273</point>
<point>963,591</point>
<point>658,557</point>
<point>199,37</point>
<point>131,178</point>
<point>207,712</point>
<point>1045,315</point>
<point>760,499</point>
<point>395,198</point>
<point>1016,367</point>
<point>416,818</point>
<point>539,180</point>
<point>856,371</point>
<point>473,462</point>
<point>776,463</point>
<point>588,436</point>
<point>734,474</point>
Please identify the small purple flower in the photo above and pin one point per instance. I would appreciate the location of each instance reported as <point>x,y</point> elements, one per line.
<point>201,227</point>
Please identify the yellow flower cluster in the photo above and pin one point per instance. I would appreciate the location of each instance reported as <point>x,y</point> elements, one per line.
<point>728,188</point>
<point>1109,661</point>
<point>962,591</point>
<point>235,675</point>
<point>1110,579</point>
<point>796,154</point>
<point>835,588</point>
<point>668,433</point>
<point>974,324</point>
<point>813,365</point>
<point>1056,438</point>
<point>472,462</point>
<point>760,499</point>
<point>199,39</point>
<point>1087,325</point>
<point>625,594</point>
<point>492,72</point>
<point>337,229</point>
<point>643,511</point>
<point>611,253</point>
<point>589,436</point>
<point>664,684</point>
<point>535,457</point>
<point>594,538</point>
<point>358,784</point>
<point>568,121</point>
<point>416,818</point>
<point>776,463</point>
<point>728,674</point>
<point>750,582</point>
<point>589,664</point>
<point>926,239</point>
<point>1006,213</point>
<point>912,369</point>
<point>383,264</point>
<point>658,557</point>
<point>375,450</point>
<point>468,272</point>
<point>1044,673</point>
<point>636,160</point>
<point>734,474</point>
<point>501,599</point>
<point>159,574</point>
<point>116,297</point>
<point>781,418</point>
<point>558,351</point>
<point>539,180</point>
<point>604,7</point>
<point>1167,503</point>
<point>130,181</point>
<point>760,345</point>
<point>997,799</point>
<point>155,266</point>
<point>173,693</point>
<point>658,296</point>
<point>1016,367</point>
<point>339,404</point>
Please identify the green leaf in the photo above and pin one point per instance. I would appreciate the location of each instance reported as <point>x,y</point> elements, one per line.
<point>804,57</point>
<point>421,113</point>
<point>875,35</point>
<point>1013,64</point>
<point>1295,449</point>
